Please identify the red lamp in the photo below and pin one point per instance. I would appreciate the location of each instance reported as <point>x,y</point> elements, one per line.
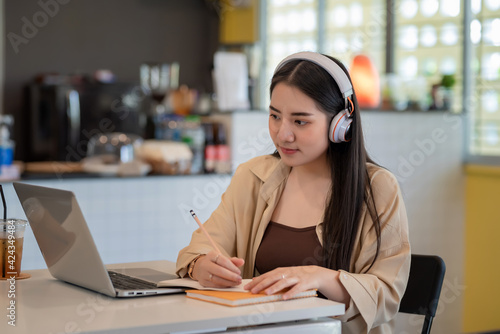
<point>366,82</point>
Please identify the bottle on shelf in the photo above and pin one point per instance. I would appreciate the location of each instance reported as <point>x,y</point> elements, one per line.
<point>6,146</point>
<point>8,170</point>
<point>210,150</point>
<point>194,135</point>
<point>222,151</point>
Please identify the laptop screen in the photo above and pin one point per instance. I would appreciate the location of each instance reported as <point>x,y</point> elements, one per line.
<point>63,236</point>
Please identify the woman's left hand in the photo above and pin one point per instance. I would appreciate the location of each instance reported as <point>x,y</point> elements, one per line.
<point>298,279</point>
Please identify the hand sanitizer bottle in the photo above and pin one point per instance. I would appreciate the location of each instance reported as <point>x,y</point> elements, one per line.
<point>6,146</point>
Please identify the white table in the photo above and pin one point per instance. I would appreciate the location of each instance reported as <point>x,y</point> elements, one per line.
<point>46,305</point>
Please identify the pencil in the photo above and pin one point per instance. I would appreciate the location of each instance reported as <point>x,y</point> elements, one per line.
<point>205,231</point>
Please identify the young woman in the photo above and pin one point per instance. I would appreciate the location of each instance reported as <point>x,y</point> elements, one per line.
<point>319,213</point>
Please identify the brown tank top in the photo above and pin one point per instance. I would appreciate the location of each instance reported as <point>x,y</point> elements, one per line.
<point>285,246</point>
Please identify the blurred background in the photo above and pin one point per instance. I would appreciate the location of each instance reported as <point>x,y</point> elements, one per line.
<point>92,90</point>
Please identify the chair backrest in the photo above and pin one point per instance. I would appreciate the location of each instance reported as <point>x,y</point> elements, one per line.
<point>424,287</point>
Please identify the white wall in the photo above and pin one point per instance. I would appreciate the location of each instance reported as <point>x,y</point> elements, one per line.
<point>424,151</point>
<point>135,219</point>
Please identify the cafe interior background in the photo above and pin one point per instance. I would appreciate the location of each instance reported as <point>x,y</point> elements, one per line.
<point>431,115</point>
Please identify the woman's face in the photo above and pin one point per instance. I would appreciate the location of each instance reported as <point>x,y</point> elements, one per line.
<point>298,128</point>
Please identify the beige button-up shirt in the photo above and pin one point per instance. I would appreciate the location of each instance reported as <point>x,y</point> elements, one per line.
<point>239,222</point>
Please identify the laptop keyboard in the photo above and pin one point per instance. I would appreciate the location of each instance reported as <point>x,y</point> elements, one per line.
<point>125,282</point>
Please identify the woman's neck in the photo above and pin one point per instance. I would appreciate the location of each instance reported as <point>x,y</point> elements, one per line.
<point>317,174</point>
<point>319,169</point>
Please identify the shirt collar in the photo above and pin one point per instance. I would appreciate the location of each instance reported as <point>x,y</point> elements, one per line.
<point>272,173</point>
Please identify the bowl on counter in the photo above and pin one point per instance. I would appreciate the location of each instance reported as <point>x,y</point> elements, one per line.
<point>166,157</point>
<point>117,146</point>
<point>114,154</point>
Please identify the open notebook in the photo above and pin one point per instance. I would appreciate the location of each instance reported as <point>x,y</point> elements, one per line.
<point>235,296</point>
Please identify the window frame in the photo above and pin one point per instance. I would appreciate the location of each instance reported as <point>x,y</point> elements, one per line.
<point>467,96</point>
<point>466,110</point>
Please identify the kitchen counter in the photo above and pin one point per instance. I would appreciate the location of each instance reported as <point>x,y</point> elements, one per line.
<point>247,135</point>
<point>50,176</point>
<point>63,176</point>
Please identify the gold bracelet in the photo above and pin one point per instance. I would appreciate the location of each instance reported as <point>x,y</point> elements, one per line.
<point>191,266</point>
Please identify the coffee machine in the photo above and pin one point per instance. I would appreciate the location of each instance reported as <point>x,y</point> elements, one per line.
<point>61,118</point>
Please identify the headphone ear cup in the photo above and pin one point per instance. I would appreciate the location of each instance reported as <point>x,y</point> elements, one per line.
<point>339,127</point>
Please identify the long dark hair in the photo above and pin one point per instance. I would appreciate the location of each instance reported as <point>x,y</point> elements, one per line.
<point>350,188</point>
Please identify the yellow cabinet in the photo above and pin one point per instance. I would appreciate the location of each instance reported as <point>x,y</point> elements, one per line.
<point>239,21</point>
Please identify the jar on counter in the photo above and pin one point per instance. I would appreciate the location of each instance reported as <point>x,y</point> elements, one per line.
<point>169,127</point>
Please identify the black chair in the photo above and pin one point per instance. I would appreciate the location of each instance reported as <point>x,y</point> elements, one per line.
<point>424,287</point>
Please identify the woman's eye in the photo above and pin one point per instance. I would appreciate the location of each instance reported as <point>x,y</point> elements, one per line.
<point>301,122</point>
<point>273,116</point>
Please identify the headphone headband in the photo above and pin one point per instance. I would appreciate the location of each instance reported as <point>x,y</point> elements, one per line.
<point>326,63</point>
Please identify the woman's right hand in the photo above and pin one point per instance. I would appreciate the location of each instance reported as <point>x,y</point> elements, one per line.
<point>217,271</point>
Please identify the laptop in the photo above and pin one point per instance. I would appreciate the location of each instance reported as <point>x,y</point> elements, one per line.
<point>69,249</point>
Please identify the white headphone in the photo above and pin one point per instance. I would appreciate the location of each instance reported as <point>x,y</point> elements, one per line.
<point>341,123</point>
